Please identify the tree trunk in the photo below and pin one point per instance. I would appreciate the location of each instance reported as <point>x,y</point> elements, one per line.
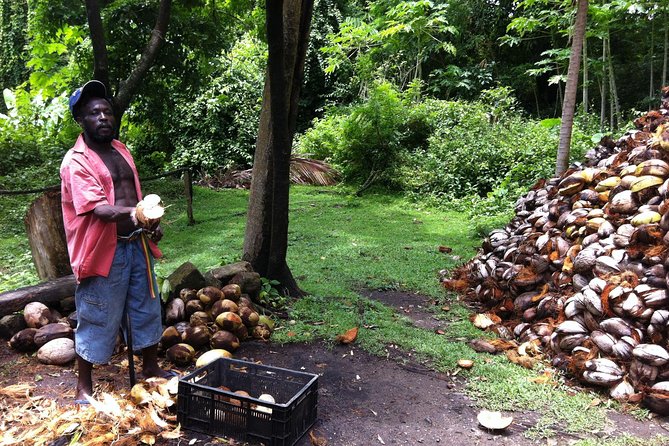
<point>585,76</point>
<point>615,103</point>
<point>571,88</point>
<point>46,235</point>
<point>46,292</point>
<point>266,237</point>
<point>602,89</point>
<point>666,48</point>
<point>651,89</point>
<point>129,86</point>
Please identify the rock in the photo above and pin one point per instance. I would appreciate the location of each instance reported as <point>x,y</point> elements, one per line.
<point>51,332</point>
<point>249,282</point>
<point>225,273</point>
<point>57,352</point>
<point>186,276</point>
<point>11,324</point>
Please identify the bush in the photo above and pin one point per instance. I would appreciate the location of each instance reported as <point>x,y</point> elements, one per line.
<point>34,135</point>
<point>218,128</point>
<point>478,156</point>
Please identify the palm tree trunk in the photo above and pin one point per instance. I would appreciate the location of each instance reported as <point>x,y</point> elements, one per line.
<point>602,89</point>
<point>666,47</point>
<point>585,75</point>
<point>651,89</point>
<point>571,88</point>
<point>615,103</point>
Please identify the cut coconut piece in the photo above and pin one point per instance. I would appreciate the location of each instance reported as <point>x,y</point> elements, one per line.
<point>493,420</point>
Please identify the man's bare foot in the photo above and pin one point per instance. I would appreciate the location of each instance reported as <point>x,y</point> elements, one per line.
<point>157,372</point>
<point>81,394</point>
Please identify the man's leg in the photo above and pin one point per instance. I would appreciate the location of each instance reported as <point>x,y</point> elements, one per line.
<point>85,381</point>
<point>150,367</point>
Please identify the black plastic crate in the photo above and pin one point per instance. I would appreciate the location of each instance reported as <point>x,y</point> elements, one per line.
<point>204,407</point>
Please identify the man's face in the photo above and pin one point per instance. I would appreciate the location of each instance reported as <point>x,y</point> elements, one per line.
<point>96,117</point>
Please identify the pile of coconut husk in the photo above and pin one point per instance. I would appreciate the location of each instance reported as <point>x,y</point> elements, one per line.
<point>581,270</point>
<point>141,416</point>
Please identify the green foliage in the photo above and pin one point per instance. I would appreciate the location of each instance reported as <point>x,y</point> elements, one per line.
<point>269,295</point>
<point>218,127</point>
<point>13,39</point>
<point>35,133</point>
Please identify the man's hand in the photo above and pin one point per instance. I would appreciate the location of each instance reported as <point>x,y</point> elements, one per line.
<point>155,234</point>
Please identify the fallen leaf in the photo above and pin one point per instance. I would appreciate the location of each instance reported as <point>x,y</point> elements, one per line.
<point>378,437</point>
<point>595,402</point>
<point>482,346</point>
<point>317,440</point>
<point>440,332</point>
<point>523,361</point>
<point>290,334</point>
<point>445,249</point>
<point>465,363</point>
<point>348,337</point>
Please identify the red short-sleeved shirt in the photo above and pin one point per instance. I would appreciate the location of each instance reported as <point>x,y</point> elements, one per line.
<point>86,184</point>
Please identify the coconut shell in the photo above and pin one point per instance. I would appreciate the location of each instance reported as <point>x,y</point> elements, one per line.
<point>188,294</point>
<point>175,311</point>
<point>249,317</point>
<point>193,306</point>
<point>242,332</point>
<point>210,294</point>
<point>51,332</point>
<point>232,291</point>
<point>200,318</point>
<point>180,354</point>
<point>57,352</point>
<point>262,332</point>
<point>245,301</point>
<point>170,337</point>
<point>211,356</point>
<point>223,305</point>
<point>229,321</point>
<point>225,340</point>
<point>197,336</point>
<point>24,340</point>
<point>37,315</point>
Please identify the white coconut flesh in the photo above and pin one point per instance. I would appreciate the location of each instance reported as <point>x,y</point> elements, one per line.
<point>151,207</point>
<point>493,420</point>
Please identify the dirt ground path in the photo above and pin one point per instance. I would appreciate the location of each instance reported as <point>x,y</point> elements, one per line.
<point>363,400</point>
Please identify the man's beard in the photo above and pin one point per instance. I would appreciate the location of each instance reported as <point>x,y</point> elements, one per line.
<point>95,136</point>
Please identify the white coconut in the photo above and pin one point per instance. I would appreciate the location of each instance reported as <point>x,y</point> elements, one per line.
<point>57,352</point>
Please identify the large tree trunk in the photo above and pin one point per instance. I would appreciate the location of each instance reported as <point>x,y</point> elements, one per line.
<point>129,86</point>
<point>266,237</point>
<point>571,87</point>
<point>46,235</point>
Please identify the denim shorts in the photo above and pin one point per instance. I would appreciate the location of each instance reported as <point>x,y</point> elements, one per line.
<point>100,302</point>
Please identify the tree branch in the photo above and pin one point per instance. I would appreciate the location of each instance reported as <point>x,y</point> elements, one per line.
<point>100,60</point>
<point>130,85</point>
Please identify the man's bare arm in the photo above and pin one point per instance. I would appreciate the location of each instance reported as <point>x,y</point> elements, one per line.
<point>110,213</point>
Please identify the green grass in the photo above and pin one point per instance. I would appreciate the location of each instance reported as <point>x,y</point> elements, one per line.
<point>339,245</point>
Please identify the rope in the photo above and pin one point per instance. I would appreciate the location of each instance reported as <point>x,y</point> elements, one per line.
<point>57,187</point>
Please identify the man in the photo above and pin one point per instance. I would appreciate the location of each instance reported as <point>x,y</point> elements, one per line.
<point>110,253</point>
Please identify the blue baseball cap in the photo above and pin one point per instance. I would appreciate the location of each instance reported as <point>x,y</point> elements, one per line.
<point>95,89</point>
